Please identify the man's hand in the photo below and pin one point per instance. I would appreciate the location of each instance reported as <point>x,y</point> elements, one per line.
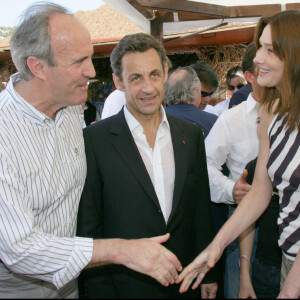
<point>199,267</point>
<point>209,290</point>
<point>149,257</point>
<point>241,188</point>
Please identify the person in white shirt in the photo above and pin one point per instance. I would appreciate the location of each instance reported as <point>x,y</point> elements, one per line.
<point>113,104</point>
<point>233,141</point>
<point>209,84</point>
<point>43,166</point>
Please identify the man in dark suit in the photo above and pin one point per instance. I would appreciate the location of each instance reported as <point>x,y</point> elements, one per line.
<point>183,97</point>
<point>146,176</point>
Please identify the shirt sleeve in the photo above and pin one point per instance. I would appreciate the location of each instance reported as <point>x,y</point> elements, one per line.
<point>111,108</point>
<point>24,247</point>
<point>217,145</point>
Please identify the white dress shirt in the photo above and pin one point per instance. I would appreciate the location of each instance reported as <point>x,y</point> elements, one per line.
<point>232,140</point>
<point>159,161</point>
<point>221,106</point>
<point>42,173</point>
<point>113,104</point>
<point>209,108</point>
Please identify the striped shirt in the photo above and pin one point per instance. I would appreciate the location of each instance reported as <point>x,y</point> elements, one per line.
<point>284,171</point>
<point>42,173</point>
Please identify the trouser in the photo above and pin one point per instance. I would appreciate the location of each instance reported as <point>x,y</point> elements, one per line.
<point>286,266</point>
<point>265,279</point>
<point>18,286</point>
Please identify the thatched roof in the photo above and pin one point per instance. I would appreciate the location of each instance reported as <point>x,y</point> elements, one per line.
<point>105,22</point>
<point>102,23</point>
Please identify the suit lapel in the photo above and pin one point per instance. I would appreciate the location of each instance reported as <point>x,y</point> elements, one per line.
<point>180,148</point>
<point>125,146</point>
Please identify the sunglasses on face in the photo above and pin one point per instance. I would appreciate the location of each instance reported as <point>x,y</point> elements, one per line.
<point>232,87</point>
<point>205,94</point>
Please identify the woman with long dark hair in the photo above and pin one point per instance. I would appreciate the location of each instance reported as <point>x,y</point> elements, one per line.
<point>278,59</point>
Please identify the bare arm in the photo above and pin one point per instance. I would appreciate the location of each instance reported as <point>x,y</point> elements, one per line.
<point>291,286</point>
<point>146,256</point>
<point>246,241</point>
<point>247,212</point>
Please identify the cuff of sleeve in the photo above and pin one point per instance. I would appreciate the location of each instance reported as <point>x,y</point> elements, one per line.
<point>81,255</point>
<point>228,192</point>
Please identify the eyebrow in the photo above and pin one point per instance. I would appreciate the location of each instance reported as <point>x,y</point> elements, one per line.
<point>83,58</point>
<point>134,74</point>
<point>265,43</point>
<point>80,59</point>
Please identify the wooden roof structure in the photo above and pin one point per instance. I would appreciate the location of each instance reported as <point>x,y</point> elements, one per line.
<point>183,24</point>
<point>179,24</point>
<point>177,15</point>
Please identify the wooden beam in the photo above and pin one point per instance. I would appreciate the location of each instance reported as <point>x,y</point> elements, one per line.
<point>242,35</point>
<point>156,25</point>
<point>184,7</point>
<point>147,14</point>
<point>253,10</point>
<point>189,10</point>
<point>293,6</point>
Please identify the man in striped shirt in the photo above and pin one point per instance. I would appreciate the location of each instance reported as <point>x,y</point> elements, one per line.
<point>43,166</point>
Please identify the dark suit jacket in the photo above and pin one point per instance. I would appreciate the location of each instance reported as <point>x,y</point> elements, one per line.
<point>240,96</point>
<point>193,114</point>
<point>119,201</point>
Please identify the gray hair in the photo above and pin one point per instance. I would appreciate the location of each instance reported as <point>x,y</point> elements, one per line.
<point>181,90</point>
<point>32,37</point>
<point>138,42</point>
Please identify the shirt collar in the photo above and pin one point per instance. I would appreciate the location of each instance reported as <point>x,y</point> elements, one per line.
<point>133,123</point>
<point>27,109</point>
<point>252,105</point>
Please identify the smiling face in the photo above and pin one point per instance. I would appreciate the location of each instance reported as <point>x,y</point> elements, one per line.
<point>142,81</point>
<point>72,53</point>
<point>269,64</point>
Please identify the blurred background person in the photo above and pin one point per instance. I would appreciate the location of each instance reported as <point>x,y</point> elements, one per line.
<point>235,80</point>
<point>183,96</point>
<point>209,84</point>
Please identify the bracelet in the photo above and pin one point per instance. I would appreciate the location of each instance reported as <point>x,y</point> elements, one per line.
<point>247,259</point>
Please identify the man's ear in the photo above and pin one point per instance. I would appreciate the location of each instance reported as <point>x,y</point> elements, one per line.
<point>37,67</point>
<point>166,69</point>
<point>249,77</point>
<point>118,82</point>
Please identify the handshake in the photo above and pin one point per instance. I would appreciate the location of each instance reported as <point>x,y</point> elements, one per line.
<point>149,257</point>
